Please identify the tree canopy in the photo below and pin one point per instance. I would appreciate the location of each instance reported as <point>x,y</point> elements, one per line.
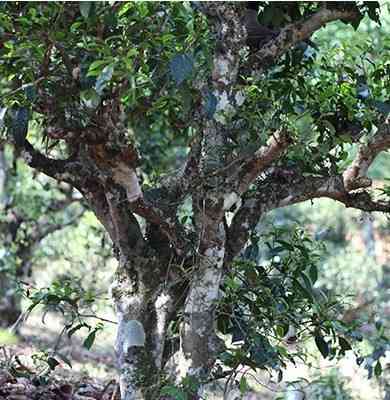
<point>182,125</point>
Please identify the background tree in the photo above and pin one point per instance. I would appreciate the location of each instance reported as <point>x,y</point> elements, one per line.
<point>250,129</point>
<point>31,210</point>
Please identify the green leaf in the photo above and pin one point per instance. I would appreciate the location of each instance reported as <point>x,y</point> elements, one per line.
<point>244,387</point>
<point>329,126</point>
<point>344,344</point>
<point>307,293</point>
<point>53,363</point>
<point>285,244</point>
<point>180,67</point>
<point>321,344</point>
<point>378,369</point>
<point>104,79</point>
<point>52,299</point>
<point>88,342</point>
<point>97,65</point>
<point>7,338</point>
<point>85,8</point>
<point>281,330</point>
<point>313,273</point>
<point>308,283</point>
<point>378,325</point>
<point>90,99</point>
<point>125,8</point>
<point>174,392</point>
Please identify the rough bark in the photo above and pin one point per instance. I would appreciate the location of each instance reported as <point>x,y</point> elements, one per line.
<point>142,307</point>
<point>153,259</point>
<point>200,344</point>
<point>293,33</point>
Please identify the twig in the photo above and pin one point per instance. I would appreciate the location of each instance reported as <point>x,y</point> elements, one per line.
<point>19,89</point>
<point>97,317</point>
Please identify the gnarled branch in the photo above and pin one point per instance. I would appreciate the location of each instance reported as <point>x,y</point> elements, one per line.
<point>356,175</point>
<point>63,170</point>
<point>252,167</point>
<point>295,33</point>
<point>275,192</point>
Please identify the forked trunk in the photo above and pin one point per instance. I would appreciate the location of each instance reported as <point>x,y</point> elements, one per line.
<point>144,304</point>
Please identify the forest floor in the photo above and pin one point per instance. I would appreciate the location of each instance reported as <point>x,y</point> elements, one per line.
<point>26,375</point>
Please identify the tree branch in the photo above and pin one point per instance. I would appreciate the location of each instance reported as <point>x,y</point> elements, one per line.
<point>127,233</point>
<point>89,135</point>
<point>95,196</point>
<point>191,167</point>
<point>63,170</point>
<point>226,24</point>
<point>356,175</point>
<point>295,33</point>
<point>40,234</point>
<point>286,188</point>
<point>65,59</point>
<point>251,168</point>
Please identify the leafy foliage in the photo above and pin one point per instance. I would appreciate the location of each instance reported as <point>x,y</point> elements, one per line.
<point>64,65</point>
<point>146,51</point>
<point>330,387</point>
<point>72,301</point>
<point>271,293</point>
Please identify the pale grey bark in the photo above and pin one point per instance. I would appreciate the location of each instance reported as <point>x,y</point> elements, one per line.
<point>200,344</point>
<point>142,322</point>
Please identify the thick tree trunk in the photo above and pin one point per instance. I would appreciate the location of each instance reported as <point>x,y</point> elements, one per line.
<point>145,302</point>
<point>142,307</point>
<point>200,344</point>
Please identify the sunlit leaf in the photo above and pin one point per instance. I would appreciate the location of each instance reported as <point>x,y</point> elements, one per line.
<point>104,78</point>
<point>85,8</point>
<point>244,386</point>
<point>7,338</point>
